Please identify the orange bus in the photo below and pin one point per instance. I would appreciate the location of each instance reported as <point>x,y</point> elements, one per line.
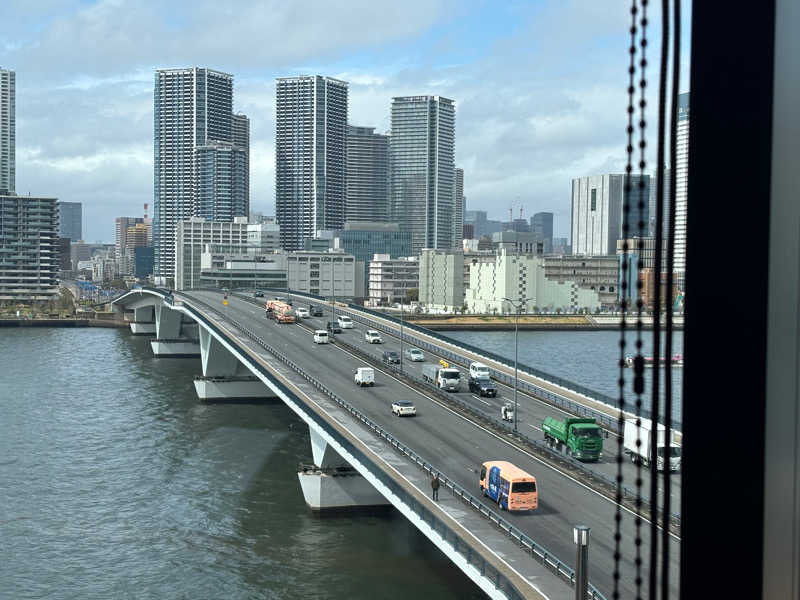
<point>509,486</point>
<point>280,311</point>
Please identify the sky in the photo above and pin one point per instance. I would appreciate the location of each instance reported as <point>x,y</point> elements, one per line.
<point>540,87</point>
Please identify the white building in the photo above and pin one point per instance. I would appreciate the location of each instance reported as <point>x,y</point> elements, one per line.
<point>194,235</point>
<point>522,277</point>
<point>331,274</point>
<point>441,279</point>
<point>391,278</point>
<point>597,212</point>
<point>244,269</point>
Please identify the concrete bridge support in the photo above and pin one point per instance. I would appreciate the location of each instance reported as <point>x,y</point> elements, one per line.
<point>333,484</point>
<point>144,322</point>
<point>170,340</point>
<point>224,377</point>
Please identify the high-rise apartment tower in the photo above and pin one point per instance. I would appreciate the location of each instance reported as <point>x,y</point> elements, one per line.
<point>367,180</point>
<point>422,157</point>
<point>7,131</point>
<point>458,209</point>
<point>198,166</point>
<point>310,150</point>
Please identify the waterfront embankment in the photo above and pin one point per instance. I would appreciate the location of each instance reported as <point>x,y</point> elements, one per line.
<point>530,322</point>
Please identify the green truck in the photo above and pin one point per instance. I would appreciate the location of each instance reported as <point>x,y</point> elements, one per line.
<point>582,438</point>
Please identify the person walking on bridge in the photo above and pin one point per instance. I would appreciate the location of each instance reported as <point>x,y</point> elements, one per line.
<point>435,487</point>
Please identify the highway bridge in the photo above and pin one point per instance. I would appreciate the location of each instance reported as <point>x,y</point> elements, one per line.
<point>363,455</point>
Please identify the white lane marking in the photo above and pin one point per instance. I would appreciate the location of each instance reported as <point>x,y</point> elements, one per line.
<point>529,455</point>
<point>535,427</point>
<point>480,399</point>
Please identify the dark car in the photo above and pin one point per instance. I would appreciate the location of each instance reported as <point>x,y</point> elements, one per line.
<point>258,295</point>
<point>315,311</point>
<point>391,357</point>
<point>483,386</point>
<point>333,327</point>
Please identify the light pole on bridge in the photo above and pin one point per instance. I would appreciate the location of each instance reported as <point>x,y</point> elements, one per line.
<point>517,308</point>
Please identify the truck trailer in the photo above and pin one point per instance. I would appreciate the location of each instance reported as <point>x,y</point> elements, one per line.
<point>643,453</point>
<point>445,378</point>
<point>582,438</point>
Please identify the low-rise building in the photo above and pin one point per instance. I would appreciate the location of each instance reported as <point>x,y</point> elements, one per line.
<point>243,269</point>
<point>509,278</point>
<point>595,273</point>
<point>332,274</point>
<point>390,279</point>
<point>194,235</point>
<point>441,279</point>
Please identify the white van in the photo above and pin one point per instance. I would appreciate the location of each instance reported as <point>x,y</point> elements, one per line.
<point>320,336</point>
<point>364,376</point>
<point>477,369</point>
<point>372,337</point>
<point>345,322</point>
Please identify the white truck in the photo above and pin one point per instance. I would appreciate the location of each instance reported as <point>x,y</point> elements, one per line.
<point>477,369</point>
<point>364,376</point>
<point>643,454</point>
<point>445,378</point>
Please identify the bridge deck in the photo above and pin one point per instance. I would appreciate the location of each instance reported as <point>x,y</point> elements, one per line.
<point>460,446</point>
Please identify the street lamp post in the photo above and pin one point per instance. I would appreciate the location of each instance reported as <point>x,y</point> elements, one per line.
<point>517,308</point>
<point>401,335</point>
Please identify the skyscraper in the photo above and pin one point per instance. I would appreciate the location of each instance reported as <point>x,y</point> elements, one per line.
<point>195,155</point>
<point>367,178</point>
<point>241,137</point>
<point>422,158</point>
<point>70,220</point>
<point>681,181</point>
<point>458,209</point>
<point>7,131</point>
<point>310,150</point>
<point>598,212</point>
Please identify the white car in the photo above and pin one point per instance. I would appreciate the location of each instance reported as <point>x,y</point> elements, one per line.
<point>345,322</point>
<point>302,313</point>
<point>404,408</point>
<point>415,355</point>
<point>373,337</point>
<point>321,336</point>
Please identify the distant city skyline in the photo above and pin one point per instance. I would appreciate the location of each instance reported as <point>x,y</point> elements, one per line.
<point>84,119</point>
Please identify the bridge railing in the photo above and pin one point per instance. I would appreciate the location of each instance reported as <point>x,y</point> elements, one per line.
<point>548,559</point>
<point>588,472</point>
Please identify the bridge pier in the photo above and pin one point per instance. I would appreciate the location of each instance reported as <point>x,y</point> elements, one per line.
<point>143,321</point>
<point>169,340</point>
<point>332,484</point>
<point>224,377</point>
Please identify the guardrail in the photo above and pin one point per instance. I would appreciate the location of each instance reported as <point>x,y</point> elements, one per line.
<point>536,550</point>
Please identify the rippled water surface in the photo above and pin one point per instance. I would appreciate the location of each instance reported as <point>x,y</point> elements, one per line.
<point>588,358</point>
<point>115,482</point>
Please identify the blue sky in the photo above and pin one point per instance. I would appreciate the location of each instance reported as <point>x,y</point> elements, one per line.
<point>539,86</point>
